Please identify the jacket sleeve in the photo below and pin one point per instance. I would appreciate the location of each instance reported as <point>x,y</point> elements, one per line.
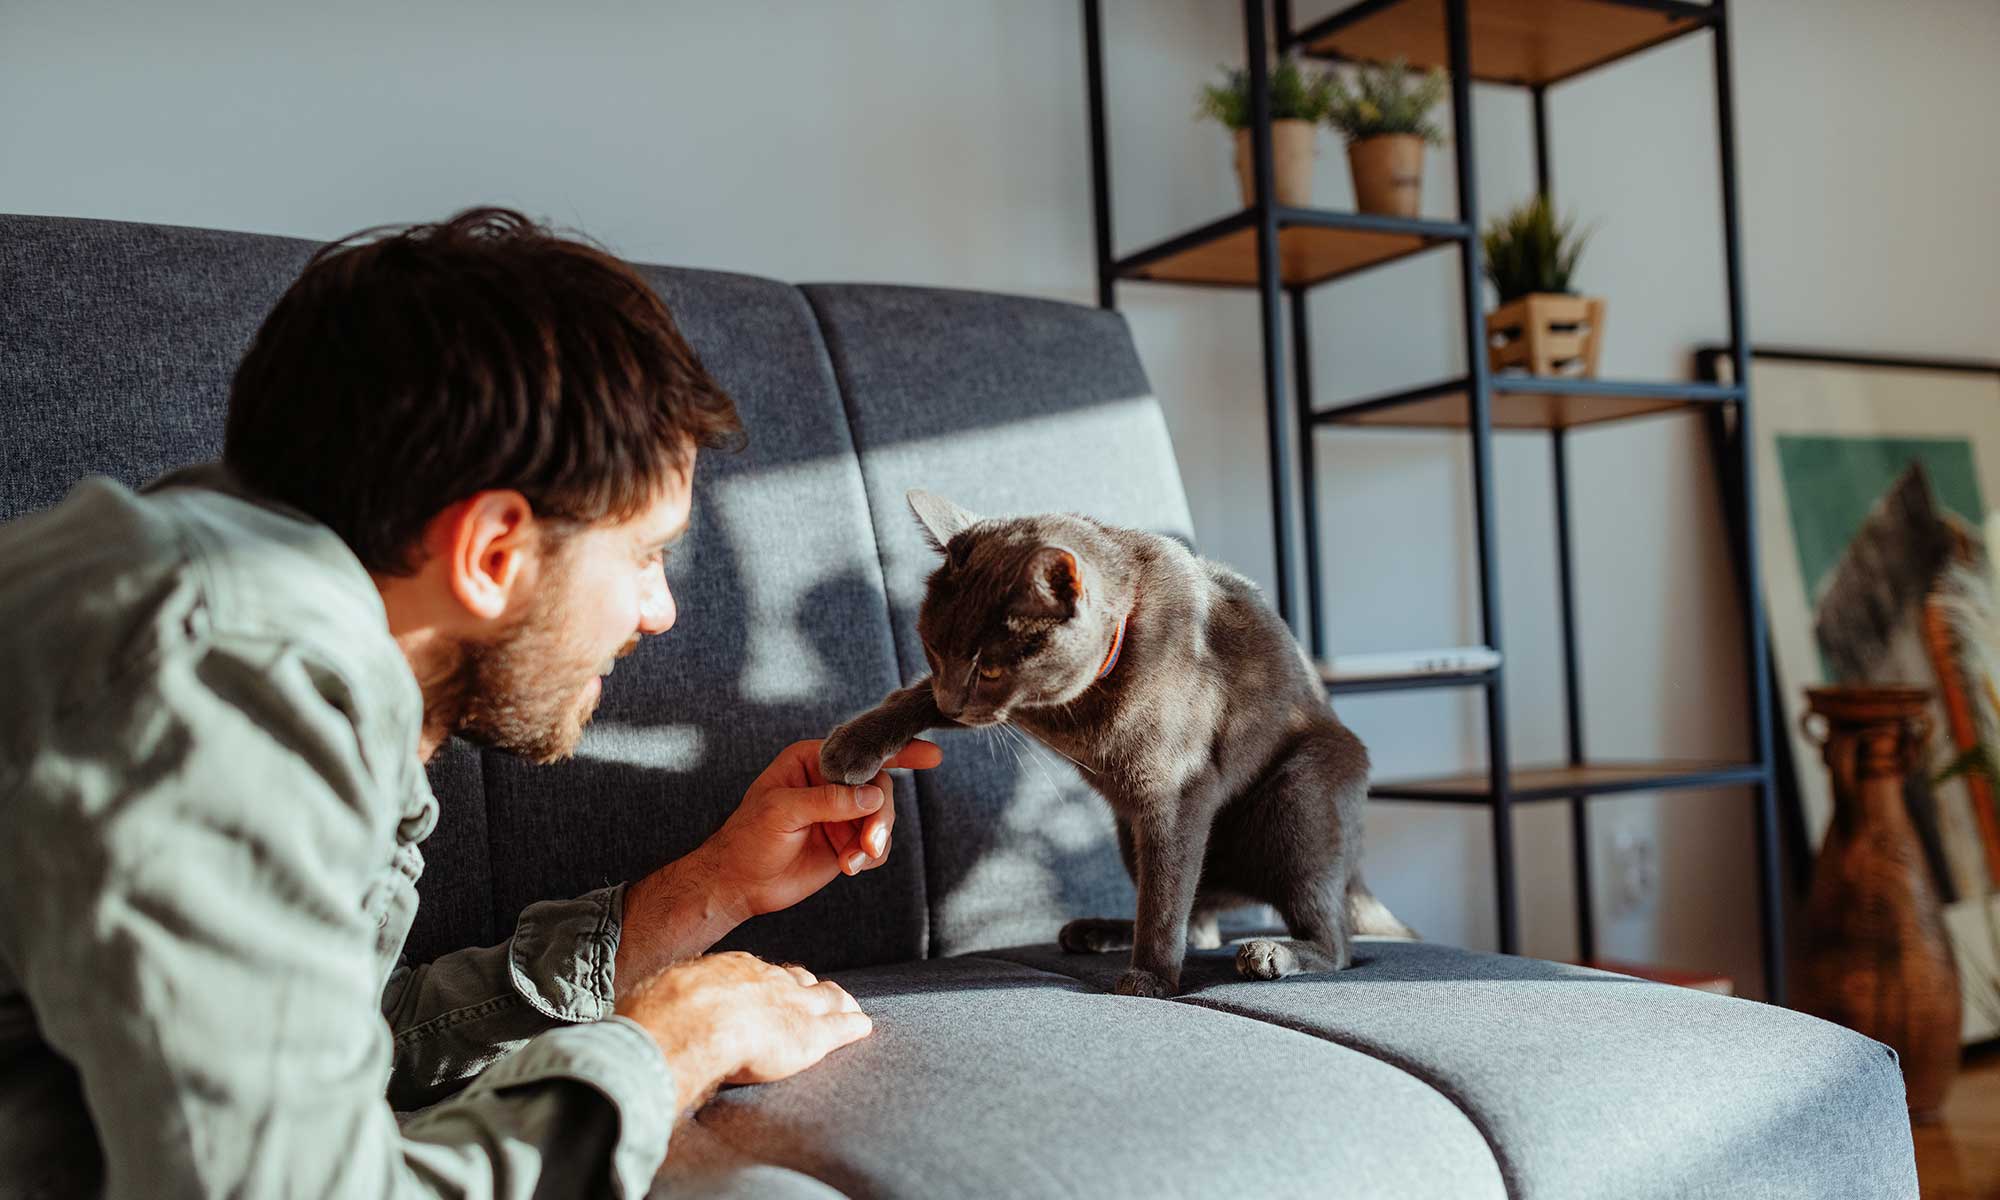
<point>456,1015</point>
<point>191,886</point>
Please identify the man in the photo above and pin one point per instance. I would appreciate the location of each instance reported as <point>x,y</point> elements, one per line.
<point>455,459</point>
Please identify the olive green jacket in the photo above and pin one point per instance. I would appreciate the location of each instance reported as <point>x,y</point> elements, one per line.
<point>210,808</point>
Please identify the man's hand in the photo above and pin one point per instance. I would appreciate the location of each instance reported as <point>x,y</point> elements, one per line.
<point>734,1018</point>
<point>793,832</point>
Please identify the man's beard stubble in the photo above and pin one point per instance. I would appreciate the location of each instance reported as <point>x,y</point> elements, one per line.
<point>523,691</point>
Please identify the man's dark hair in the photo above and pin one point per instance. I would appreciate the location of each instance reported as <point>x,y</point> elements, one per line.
<point>406,370</point>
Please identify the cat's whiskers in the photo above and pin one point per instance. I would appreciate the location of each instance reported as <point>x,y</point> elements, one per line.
<point>1079,766</point>
<point>1041,766</point>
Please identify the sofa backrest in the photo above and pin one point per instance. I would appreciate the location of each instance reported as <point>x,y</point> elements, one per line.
<point>797,586</point>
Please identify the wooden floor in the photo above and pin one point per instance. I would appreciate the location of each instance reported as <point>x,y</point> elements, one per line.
<point>1959,1157</point>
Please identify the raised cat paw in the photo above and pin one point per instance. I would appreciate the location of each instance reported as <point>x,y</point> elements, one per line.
<point>1095,935</point>
<point>1141,982</point>
<point>846,758</point>
<point>1262,958</point>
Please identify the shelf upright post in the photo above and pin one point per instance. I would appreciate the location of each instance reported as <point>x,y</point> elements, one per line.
<point>1542,183</point>
<point>1579,806</point>
<point>1755,648</point>
<point>1279,419</point>
<point>1281,18</point>
<point>1479,385</point>
<point>1100,152</point>
<point>1308,472</point>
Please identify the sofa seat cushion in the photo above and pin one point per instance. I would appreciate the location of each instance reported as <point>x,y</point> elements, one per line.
<point>992,1078</point>
<point>1592,1084</point>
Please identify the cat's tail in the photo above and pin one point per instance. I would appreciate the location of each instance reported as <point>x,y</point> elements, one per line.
<point>1369,916</point>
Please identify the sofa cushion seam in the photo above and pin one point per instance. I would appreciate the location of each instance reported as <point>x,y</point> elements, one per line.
<point>836,373</point>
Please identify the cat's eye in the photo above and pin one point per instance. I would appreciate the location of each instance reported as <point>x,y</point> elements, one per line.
<point>991,672</point>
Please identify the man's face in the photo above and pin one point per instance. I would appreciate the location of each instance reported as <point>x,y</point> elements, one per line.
<point>532,689</point>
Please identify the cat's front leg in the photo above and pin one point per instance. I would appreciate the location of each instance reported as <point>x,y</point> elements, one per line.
<point>855,752</point>
<point>1169,844</point>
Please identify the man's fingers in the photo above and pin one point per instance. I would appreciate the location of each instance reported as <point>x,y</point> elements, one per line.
<point>875,829</point>
<point>847,1027</point>
<point>804,976</point>
<point>918,755</point>
<point>833,997</point>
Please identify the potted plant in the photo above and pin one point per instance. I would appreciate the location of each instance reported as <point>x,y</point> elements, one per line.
<point>1298,103</point>
<point>1541,325</point>
<point>1386,120</point>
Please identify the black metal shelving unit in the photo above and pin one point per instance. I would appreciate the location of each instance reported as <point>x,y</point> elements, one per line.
<point>1284,252</point>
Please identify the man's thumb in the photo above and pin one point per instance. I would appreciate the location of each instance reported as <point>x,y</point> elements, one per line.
<point>838,802</point>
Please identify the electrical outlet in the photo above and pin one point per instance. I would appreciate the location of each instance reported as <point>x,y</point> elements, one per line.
<point>1635,873</point>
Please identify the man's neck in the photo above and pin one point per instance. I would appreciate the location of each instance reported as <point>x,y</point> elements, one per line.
<point>434,659</point>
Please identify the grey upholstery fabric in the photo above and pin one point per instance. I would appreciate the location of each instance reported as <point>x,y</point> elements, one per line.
<point>1006,405</point>
<point>986,1078</point>
<point>1588,1083</point>
<point>1422,1071</point>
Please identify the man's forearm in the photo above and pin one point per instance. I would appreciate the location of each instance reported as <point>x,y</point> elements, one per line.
<point>675,913</point>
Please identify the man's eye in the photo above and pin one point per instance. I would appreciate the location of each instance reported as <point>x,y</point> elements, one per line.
<point>990,672</point>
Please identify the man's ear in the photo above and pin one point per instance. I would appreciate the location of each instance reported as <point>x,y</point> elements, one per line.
<point>1051,583</point>
<point>942,520</point>
<point>488,541</point>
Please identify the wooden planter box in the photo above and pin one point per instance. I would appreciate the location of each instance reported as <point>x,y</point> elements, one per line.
<point>1294,146</point>
<point>1546,334</point>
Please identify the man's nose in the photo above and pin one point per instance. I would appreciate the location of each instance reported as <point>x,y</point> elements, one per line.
<point>656,608</point>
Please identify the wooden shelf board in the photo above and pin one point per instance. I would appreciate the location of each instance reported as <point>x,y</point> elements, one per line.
<point>1558,782</point>
<point>1512,410</point>
<point>1527,42</point>
<point>1306,255</point>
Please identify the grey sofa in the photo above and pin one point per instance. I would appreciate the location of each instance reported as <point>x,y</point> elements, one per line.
<point>999,1066</point>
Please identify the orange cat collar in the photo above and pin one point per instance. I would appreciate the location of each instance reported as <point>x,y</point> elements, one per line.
<point>1111,659</point>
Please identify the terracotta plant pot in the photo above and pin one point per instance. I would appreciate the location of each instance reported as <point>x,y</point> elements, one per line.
<point>1294,145</point>
<point>1546,333</point>
<point>1388,173</point>
<point>1874,955</point>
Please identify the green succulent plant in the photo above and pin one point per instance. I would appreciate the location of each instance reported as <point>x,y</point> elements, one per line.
<point>1296,94</point>
<point>1530,250</point>
<point>1387,99</point>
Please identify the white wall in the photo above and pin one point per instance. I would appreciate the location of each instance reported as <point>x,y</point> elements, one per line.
<point>920,142</point>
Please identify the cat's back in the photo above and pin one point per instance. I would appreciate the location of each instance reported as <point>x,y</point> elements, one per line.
<point>1227,615</point>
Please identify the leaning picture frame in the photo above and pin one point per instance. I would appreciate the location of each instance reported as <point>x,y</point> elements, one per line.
<point>1876,476</point>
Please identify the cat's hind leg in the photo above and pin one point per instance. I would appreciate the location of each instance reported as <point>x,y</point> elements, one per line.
<point>1102,935</point>
<point>1095,935</point>
<point>1319,941</point>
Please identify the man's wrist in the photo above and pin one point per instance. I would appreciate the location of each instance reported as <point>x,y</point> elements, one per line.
<point>676,913</point>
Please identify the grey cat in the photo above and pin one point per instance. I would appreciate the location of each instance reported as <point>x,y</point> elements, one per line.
<point>1187,701</point>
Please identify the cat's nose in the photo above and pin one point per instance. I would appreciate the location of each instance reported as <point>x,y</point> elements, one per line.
<point>948,706</point>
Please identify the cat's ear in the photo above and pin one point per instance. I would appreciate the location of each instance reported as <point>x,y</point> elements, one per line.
<point>942,520</point>
<point>1051,584</point>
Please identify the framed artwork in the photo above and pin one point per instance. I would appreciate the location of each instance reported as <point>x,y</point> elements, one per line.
<point>1875,478</point>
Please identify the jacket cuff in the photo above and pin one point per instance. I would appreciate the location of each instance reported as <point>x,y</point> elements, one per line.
<point>621,1061</point>
<point>563,957</point>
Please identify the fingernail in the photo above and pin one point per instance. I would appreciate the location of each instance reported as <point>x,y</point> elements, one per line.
<point>854,861</point>
<point>869,798</point>
<point>877,840</point>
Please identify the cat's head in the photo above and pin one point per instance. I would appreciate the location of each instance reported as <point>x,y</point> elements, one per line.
<point>1016,616</point>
